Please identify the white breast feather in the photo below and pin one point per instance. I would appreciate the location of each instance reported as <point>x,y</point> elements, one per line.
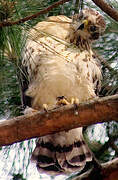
<point>57,69</point>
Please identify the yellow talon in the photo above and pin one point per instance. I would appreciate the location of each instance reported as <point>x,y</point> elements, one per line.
<point>62,100</point>
<point>74,101</point>
<point>45,106</point>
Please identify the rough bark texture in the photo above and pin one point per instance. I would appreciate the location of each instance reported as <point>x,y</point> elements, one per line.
<point>107,9</point>
<point>108,171</point>
<point>63,118</point>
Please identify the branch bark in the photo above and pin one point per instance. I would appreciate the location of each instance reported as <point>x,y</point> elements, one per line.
<point>64,118</point>
<point>107,9</point>
<point>108,171</point>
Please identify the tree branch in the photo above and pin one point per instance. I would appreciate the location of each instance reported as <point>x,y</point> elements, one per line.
<point>64,118</point>
<point>107,9</point>
<point>11,23</point>
<point>108,167</point>
<point>108,171</point>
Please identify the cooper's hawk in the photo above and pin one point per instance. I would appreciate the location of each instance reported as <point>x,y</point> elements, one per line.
<point>62,69</point>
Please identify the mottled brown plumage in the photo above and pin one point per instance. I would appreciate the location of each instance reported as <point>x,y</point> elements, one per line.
<point>60,63</point>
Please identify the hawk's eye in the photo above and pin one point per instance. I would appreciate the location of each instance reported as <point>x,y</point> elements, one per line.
<point>92,28</point>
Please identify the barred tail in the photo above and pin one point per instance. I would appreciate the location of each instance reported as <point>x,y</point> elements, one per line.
<point>63,152</point>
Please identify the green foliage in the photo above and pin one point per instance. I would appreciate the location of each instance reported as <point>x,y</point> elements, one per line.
<point>108,48</point>
<point>7,10</point>
<point>12,42</point>
<point>9,90</point>
<point>18,177</point>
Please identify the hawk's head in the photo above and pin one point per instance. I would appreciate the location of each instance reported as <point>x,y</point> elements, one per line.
<point>89,24</point>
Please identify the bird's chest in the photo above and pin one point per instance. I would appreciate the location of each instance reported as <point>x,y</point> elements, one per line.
<point>61,70</point>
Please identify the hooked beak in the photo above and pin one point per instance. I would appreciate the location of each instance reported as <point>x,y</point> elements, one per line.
<point>83,25</point>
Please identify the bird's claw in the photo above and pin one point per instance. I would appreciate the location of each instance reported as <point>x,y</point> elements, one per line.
<point>74,100</point>
<point>61,100</point>
<point>45,107</point>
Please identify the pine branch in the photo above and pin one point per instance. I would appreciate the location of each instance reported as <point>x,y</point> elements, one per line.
<point>107,9</point>
<point>44,11</point>
<point>63,118</point>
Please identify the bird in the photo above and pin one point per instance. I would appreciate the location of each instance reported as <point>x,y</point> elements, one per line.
<point>63,69</point>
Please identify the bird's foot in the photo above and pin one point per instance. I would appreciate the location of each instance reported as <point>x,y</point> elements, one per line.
<point>61,100</point>
<point>74,100</point>
<point>45,107</point>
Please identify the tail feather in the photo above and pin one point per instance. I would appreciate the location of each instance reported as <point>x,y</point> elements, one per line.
<point>79,154</point>
<point>63,152</point>
<point>66,165</point>
<point>43,156</point>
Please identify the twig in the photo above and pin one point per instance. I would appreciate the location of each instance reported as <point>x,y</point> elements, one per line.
<point>63,118</point>
<point>11,23</point>
<point>107,9</point>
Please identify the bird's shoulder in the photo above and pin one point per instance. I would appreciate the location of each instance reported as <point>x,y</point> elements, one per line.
<point>58,26</point>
